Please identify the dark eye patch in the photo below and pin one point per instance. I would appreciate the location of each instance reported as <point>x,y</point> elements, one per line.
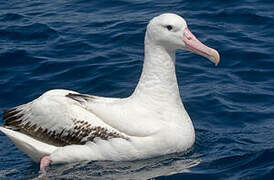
<point>169,27</point>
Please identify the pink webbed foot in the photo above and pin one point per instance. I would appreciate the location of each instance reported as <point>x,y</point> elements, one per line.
<point>45,161</point>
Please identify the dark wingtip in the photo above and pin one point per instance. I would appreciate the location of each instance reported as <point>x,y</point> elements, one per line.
<point>10,127</point>
<point>4,111</point>
<point>11,117</point>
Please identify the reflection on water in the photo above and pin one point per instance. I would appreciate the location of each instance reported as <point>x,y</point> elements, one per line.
<point>141,169</point>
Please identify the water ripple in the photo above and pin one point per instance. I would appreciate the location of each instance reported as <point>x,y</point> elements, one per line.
<point>33,32</point>
<point>92,47</point>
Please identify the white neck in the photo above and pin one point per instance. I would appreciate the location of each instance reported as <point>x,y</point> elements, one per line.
<point>158,81</point>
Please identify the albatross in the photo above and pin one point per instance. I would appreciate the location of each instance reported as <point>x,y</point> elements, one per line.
<point>63,126</point>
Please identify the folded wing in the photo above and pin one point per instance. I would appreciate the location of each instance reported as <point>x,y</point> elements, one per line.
<point>58,118</point>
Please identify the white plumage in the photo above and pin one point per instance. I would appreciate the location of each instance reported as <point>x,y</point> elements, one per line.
<point>68,126</point>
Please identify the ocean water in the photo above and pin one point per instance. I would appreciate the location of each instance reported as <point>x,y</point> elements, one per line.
<point>96,47</point>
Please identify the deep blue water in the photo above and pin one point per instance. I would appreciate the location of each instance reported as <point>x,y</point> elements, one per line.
<point>96,47</point>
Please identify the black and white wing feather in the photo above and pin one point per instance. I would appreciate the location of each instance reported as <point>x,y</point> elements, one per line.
<point>58,118</point>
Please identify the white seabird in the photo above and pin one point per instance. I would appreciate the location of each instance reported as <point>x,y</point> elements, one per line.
<point>64,126</point>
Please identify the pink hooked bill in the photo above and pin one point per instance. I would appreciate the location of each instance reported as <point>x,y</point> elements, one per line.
<point>194,45</point>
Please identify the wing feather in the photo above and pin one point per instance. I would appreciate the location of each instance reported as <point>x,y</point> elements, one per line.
<point>57,118</point>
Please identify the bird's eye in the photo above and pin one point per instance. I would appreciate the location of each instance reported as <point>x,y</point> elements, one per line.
<point>169,27</point>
